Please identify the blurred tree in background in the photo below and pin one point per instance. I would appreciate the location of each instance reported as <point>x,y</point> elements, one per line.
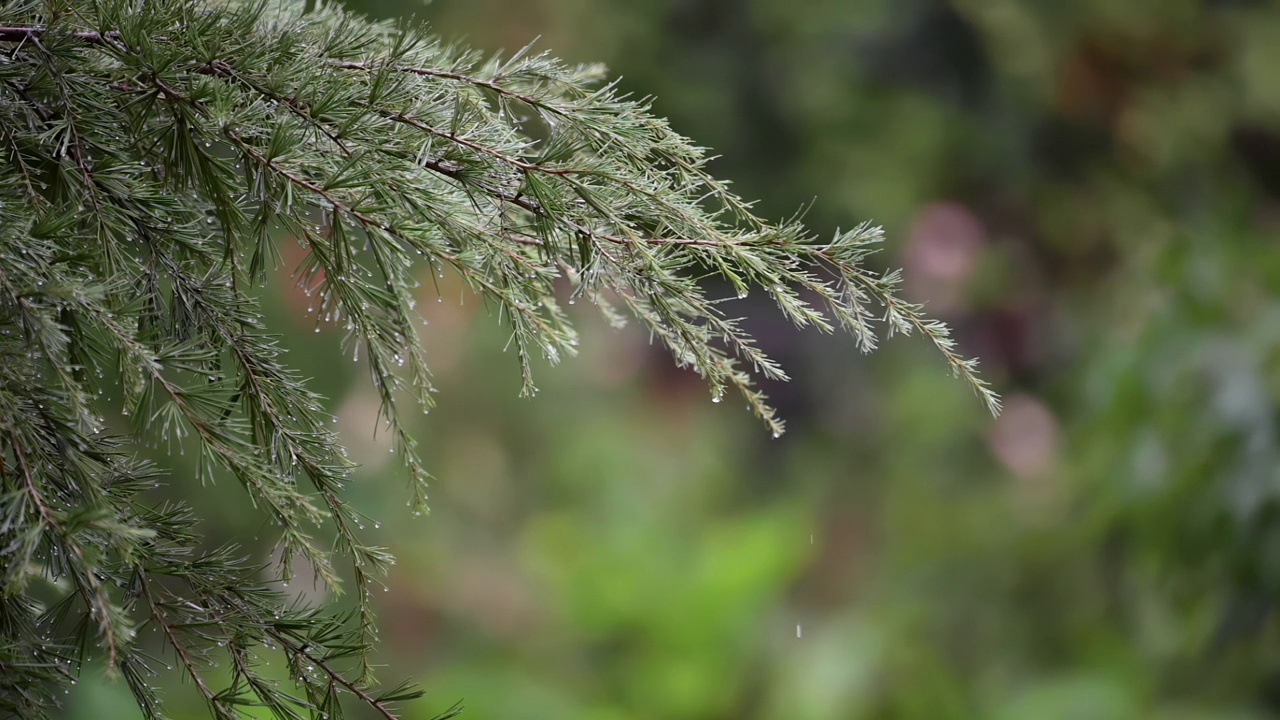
<point>1090,191</point>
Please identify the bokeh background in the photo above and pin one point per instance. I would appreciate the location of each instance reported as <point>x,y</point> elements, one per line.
<point>1088,190</point>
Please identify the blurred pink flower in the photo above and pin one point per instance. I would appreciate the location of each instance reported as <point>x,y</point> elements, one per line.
<point>947,241</point>
<point>1025,437</point>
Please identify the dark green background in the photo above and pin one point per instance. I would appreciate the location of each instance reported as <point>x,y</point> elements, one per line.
<point>1088,190</point>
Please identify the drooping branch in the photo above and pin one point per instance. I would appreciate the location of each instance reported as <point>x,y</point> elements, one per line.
<point>149,152</point>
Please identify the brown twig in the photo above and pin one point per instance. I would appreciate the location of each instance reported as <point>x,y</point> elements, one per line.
<point>35,32</point>
<point>90,585</point>
<point>180,650</point>
<point>334,676</point>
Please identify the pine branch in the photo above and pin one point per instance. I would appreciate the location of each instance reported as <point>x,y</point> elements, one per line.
<point>149,159</point>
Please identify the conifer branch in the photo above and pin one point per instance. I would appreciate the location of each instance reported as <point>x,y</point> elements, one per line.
<point>149,159</point>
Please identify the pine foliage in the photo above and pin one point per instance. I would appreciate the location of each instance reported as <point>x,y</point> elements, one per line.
<point>155,152</point>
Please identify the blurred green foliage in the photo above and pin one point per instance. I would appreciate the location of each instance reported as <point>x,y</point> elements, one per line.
<point>1090,191</point>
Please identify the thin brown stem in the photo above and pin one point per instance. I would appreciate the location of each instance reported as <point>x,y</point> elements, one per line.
<point>180,649</point>
<point>35,32</point>
<point>334,676</point>
<point>87,584</point>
